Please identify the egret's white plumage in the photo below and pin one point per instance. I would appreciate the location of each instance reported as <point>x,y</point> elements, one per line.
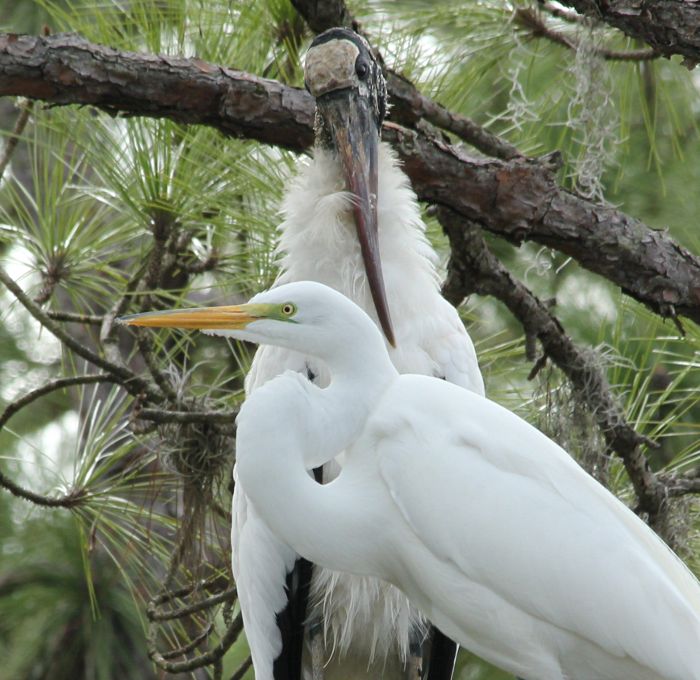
<point>318,241</point>
<point>489,527</point>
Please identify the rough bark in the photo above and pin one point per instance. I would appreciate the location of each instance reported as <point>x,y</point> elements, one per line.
<point>66,69</point>
<point>669,26</point>
<point>518,199</point>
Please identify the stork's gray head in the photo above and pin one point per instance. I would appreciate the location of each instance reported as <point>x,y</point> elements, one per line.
<point>348,85</point>
<point>340,59</point>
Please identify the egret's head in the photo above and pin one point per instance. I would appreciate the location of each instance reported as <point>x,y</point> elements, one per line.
<point>347,82</point>
<point>304,316</point>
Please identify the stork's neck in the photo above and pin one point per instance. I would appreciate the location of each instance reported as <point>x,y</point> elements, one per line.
<point>322,135</point>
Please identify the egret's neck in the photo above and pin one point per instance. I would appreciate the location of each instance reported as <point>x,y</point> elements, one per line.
<point>289,425</point>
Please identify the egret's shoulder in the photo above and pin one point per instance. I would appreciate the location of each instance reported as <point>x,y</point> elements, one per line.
<point>281,395</point>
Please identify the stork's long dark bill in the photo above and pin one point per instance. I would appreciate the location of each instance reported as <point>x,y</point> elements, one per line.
<point>356,138</point>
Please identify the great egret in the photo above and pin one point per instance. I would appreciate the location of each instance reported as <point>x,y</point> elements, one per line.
<point>348,205</point>
<point>489,527</point>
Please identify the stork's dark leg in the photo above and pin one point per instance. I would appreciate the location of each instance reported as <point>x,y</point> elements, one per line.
<point>441,656</point>
<point>291,619</point>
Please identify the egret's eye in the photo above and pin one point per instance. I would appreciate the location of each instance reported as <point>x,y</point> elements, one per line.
<point>288,309</point>
<point>362,69</point>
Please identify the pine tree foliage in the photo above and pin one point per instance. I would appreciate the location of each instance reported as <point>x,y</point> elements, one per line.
<point>103,215</point>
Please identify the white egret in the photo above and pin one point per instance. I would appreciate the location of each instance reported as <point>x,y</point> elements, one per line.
<point>488,526</point>
<point>349,205</point>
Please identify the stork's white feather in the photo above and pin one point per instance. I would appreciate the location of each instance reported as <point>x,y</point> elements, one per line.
<point>489,527</point>
<point>318,241</point>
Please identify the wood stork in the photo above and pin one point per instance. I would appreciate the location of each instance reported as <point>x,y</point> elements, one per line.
<point>350,204</point>
<point>489,527</point>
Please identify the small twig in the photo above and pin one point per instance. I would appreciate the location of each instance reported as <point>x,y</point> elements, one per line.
<point>146,348</point>
<point>72,317</point>
<point>58,384</point>
<point>190,646</point>
<point>218,669</point>
<point>76,496</point>
<point>155,614</point>
<point>533,22</point>
<point>170,595</point>
<point>409,106</point>
<point>681,485</point>
<point>11,144</point>
<point>229,637</point>
<point>131,382</point>
<point>69,500</point>
<point>164,416</point>
<point>242,669</point>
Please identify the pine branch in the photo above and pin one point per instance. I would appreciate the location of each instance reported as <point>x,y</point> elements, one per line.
<point>681,485</point>
<point>76,496</point>
<point>73,317</point>
<point>66,69</point>
<point>229,637</point>
<point>11,144</point>
<point>160,415</point>
<point>519,199</point>
<point>532,21</point>
<point>242,669</point>
<point>669,26</point>
<point>131,382</point>
<point>157,614</point>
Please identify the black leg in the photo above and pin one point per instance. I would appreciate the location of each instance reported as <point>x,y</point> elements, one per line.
<point>291,620</point>
<point>441,657</point>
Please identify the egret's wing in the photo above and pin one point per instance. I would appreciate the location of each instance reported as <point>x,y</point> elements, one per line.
<point>492,496</point>
<point>260,565</point>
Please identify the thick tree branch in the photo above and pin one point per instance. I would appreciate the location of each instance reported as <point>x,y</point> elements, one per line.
<point>519,199</point>
<point>669,26</point>
<point>474,269</point>
<point>321,15</point>
<point>65,69</point>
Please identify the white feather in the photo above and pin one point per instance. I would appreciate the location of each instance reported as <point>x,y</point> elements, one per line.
<point>489,527</point>
<point>318,242</point>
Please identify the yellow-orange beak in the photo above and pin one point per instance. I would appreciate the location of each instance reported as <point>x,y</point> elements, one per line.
<point>229,317</point>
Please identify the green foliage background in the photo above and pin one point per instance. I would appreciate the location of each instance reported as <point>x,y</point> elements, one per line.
<point>79,200</point>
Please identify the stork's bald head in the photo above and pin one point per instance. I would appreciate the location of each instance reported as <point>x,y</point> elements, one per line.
<point>340,59</point>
